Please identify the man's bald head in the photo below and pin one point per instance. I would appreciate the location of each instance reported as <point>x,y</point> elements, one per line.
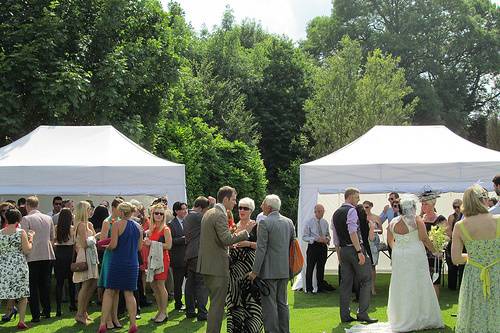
<point>319,211</point>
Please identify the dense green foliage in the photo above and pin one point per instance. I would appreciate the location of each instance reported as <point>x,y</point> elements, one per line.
<point>238,105</point>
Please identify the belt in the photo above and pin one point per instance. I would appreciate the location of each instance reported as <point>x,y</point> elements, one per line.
<point>485,275</point>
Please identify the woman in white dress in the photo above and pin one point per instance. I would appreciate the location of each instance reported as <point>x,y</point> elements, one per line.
<point>412,304</point>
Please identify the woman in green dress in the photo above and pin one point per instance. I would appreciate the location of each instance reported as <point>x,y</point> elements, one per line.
<point>479,299</point>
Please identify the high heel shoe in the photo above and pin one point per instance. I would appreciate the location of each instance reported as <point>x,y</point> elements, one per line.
<point>22,326</point>
<point>117,324</point>
<point>133,329</point>
<point>8,317</point>
<point>102,329</point>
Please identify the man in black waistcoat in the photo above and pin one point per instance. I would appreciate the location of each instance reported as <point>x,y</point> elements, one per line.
<point>352,257</point>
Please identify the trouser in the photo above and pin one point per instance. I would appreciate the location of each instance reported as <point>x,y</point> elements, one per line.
<point>39,287</point>
<point>455,273</point>
<point>350,270</point>
<point>169,284</point>
<point>217,289</point>
<point>316,256</point>
<point>179,273</point>
<point>196,294</point>
<point>275,314</point>
<point>64,256</point>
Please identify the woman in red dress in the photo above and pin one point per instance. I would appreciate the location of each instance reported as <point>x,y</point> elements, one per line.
<point>160,232</point>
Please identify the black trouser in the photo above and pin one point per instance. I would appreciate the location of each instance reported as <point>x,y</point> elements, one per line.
<point>316,256</point>
<point>64,256</point>
<point>39,287</point>
<point>196,292</point>
<point>179,273</point>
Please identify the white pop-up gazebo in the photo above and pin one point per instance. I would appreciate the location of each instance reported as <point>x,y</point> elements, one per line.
<point>86,160</point>
<point>400,159</point>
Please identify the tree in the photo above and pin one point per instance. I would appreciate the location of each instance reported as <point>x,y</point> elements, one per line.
<point>447,48</point>
<point>349,97</point>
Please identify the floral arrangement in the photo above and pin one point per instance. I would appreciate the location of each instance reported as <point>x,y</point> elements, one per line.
<point>439,238</point>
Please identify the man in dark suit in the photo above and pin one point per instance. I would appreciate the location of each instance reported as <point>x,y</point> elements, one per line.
<point>196,292</point>
<point>178,250</point>
<point>213,255</point>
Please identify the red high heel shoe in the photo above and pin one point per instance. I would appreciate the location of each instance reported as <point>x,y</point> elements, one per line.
<point>133,329</point>
<point>102,329</point>
<point>22,326</point>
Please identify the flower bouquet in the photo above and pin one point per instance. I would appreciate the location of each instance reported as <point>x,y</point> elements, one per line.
<point>439,239</point>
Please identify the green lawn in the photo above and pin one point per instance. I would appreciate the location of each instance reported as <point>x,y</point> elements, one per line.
<point>308,314</point>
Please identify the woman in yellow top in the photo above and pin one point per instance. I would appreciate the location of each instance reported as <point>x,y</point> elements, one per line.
<point>479,300</point>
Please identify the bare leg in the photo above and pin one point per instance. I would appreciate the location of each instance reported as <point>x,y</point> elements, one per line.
<point>21,304</point>
<point>157,298</point>
<point>131,306</point>
<point>114,310</point>
<point>107,304</point>
<point>162,300</point>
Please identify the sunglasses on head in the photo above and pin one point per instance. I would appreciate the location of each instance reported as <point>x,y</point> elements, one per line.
<point>243,208</point>
<point>159,213</point>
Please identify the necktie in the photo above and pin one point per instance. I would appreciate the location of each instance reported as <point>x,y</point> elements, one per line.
<point>320,231</point>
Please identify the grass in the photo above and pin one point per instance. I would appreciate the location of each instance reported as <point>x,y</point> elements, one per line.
<point>308,314</point>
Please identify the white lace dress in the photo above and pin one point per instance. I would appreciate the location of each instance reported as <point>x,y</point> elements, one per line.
<point>412,304</point>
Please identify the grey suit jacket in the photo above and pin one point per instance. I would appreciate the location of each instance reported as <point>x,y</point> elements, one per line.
<point>273,247</point>
<point>192,228</point>
<point>215,237</point>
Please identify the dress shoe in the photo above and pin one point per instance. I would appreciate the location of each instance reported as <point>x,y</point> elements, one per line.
<point>35,320</point>
<point>145,302</point>
<point>45,315</point>
<point>132,329</point>
<point>190,315</point>
<point>22,326</point>
<point>367,320</point>
<point>348,320</point>
<point>102,329</point>
<point>8,317</point>
<point>202,318</point>
<point>73,308</point>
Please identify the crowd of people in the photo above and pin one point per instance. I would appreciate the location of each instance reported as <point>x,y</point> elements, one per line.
<point>243,267</point>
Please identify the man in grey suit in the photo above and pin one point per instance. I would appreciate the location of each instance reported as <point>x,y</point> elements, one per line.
<point>196,294</point>
<point>213,256</point>
<point>274,235</point>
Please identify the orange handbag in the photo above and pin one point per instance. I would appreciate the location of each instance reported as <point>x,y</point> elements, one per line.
<point>296,259</point>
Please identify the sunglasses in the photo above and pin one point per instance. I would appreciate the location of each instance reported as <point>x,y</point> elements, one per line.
<point>391,199</point>
<point>395,206</point>
<point>243,208</point>
<point>366,207</point>
<point>455,207</point>
<point>159,213</point>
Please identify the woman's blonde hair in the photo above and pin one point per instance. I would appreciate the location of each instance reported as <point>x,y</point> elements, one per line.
<point>152,219</point>
<point>126,208</point>
<point>81,213</point>
<point>473,201</point>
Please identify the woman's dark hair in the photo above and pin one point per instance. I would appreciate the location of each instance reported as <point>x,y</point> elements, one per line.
<point>64,225</point>
<point>100,214</point>
<point>13,216</point>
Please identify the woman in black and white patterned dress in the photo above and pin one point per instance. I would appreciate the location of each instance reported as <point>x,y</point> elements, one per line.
<point>244,312</point>
<point>14,273</point>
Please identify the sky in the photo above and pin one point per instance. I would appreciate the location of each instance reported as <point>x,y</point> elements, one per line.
<point>289,17</point>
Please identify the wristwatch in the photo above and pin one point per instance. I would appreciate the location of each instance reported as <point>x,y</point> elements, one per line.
<point>358,251</point>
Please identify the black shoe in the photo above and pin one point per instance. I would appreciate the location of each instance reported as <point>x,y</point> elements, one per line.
<point>348,320</point>
<point>190,315</point>
<point>327,287</point>
<point>58,313</point>
<point>73,308</point>
<point>202,318</point>
<point>180,308</point>
<point>35,320</point>
<point>367,320</point>
<point>45,315</point>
